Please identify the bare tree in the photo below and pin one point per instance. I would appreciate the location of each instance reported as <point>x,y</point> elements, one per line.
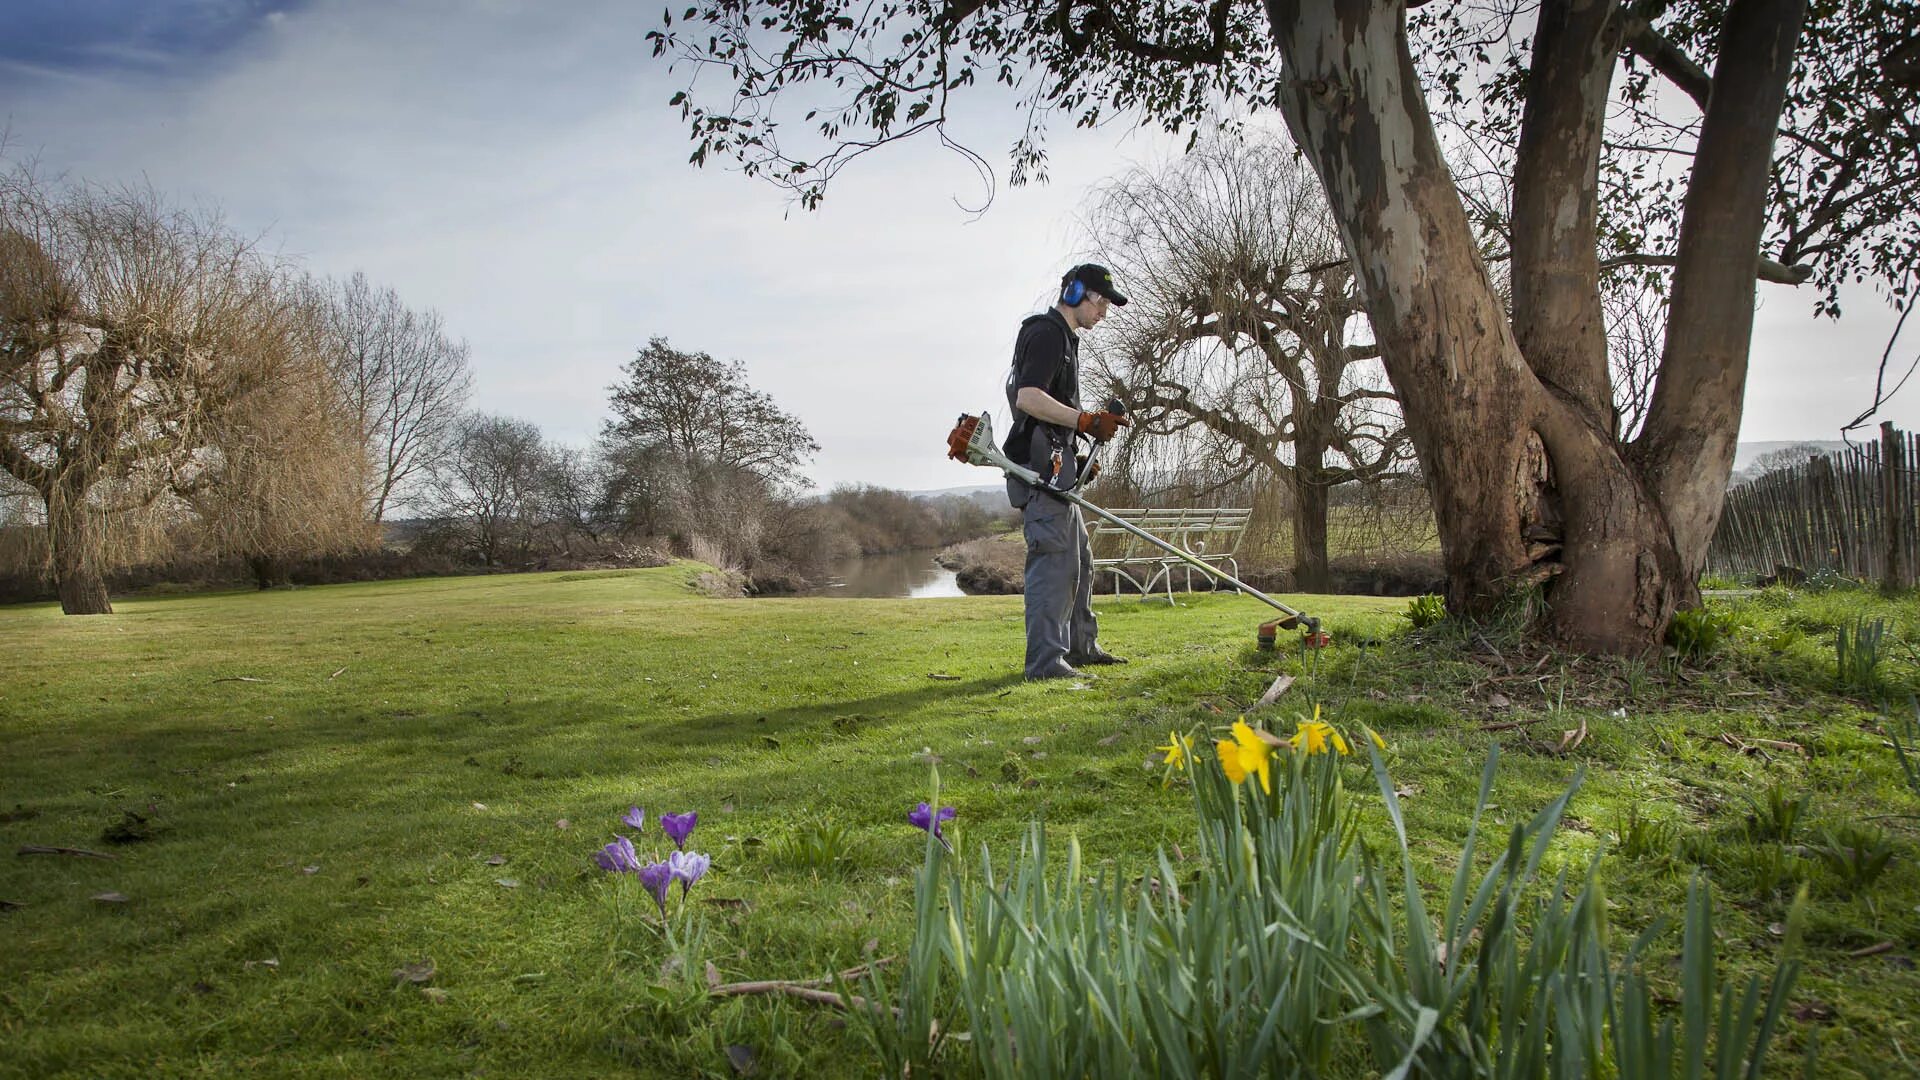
<point>702,412</point>
<point>122,322</point>
<point>1787,457</point>
<point>570,489</point>
<point>488,485</point>
<point>405,380</point>
<point>1246,323</point>
<point>695,451</point>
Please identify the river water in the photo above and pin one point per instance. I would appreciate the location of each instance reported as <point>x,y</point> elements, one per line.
<point>901,574</point>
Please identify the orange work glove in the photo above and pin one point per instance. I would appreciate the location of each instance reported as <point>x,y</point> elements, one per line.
<point>1102,425</point>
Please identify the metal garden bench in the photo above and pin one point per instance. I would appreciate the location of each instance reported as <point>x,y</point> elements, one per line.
<point>1211,535</point>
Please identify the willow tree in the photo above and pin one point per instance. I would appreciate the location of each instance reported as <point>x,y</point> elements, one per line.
<point>282,469</point>
<point>161,384</point>
<point>121,320</point>
<point>1511,410</point>
<point>1245,323</point>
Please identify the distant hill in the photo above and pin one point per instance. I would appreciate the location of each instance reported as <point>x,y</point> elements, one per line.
<point>991,496</point>
<point>965,492</point>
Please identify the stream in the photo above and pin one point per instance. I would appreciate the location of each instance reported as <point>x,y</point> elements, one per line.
<point>908,574</point>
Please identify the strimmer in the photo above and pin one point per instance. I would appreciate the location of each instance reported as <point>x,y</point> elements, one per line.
<point>971,441</point>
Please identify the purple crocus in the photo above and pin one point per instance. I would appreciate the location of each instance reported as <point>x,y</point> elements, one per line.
<point>634,818</point>
<point>658,878</point>
<point>923,817</point>
<point>679,826</point>
<point>689,867</point>
<point>618,857</point>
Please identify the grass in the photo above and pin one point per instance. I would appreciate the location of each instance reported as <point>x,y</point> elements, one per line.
<point>326,774</point>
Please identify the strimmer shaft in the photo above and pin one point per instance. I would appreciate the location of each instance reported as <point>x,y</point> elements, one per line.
<point>972,441</point>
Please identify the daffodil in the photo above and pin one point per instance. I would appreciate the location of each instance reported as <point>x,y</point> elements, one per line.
<point>1178,750</point>
<point>1375,736</point>
<point>1246,754</point>
<point>1315,737</point>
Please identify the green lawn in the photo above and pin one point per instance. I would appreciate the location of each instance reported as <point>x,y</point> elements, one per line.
<point>328,772</point>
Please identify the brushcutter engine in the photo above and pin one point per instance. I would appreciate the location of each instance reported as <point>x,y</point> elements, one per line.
<point>960,439</point>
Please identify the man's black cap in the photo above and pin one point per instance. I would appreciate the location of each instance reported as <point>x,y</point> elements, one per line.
<point>1097,279</point>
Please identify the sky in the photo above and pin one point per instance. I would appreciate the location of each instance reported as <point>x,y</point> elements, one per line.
<point>516,167</point>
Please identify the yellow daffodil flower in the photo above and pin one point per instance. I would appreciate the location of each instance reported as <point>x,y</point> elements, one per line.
<point>1375,736</point>
<point>1178,750</point>
<point>1246,754</point>
<point>1315,736</point>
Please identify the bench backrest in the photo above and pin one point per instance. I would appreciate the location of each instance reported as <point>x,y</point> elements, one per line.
<point>1206,531</point>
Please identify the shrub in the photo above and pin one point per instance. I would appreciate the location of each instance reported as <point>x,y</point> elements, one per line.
<point>819,846</point>
<point>1645,838</point>
<point>1905,737</point>
<point>1827,579</point>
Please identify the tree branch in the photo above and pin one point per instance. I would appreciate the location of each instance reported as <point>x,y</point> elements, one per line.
<point>1776,272</point>
<point>1101,17</point>
<point>1666,57</point>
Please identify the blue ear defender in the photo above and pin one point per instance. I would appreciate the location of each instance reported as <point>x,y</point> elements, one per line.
<point>1075,292</point>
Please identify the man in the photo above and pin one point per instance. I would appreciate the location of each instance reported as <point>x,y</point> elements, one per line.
<point>1044,392</point>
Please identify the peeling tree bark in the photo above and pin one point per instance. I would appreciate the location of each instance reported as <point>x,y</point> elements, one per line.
<point>1355,107</point>
<point>1557,318</point>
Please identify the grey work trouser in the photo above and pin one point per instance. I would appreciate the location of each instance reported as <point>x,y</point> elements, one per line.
<point>1059,583</point>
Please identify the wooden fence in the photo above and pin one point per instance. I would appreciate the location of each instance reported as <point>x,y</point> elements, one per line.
<point>1851,512</point>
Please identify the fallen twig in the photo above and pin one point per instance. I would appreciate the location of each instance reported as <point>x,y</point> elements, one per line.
<point>335,675</point>
<point>804,993</point>
<point>1509,725</point>
<point>806,989</point>
<point>1496,652</point>
<point>943,678</point>
<point>849,975</point>
<point>42,849</point>
<point>1874,950</point>
<point>240,678</point>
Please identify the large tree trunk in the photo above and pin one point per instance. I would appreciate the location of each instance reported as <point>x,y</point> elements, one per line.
<point>1355,108</point>
<point>1310,533</point>
<point>75,537</point>
<point>1312,421</point>
<point>1693,422</point>
<point>1513,424</point>
<point>1621,575</point>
